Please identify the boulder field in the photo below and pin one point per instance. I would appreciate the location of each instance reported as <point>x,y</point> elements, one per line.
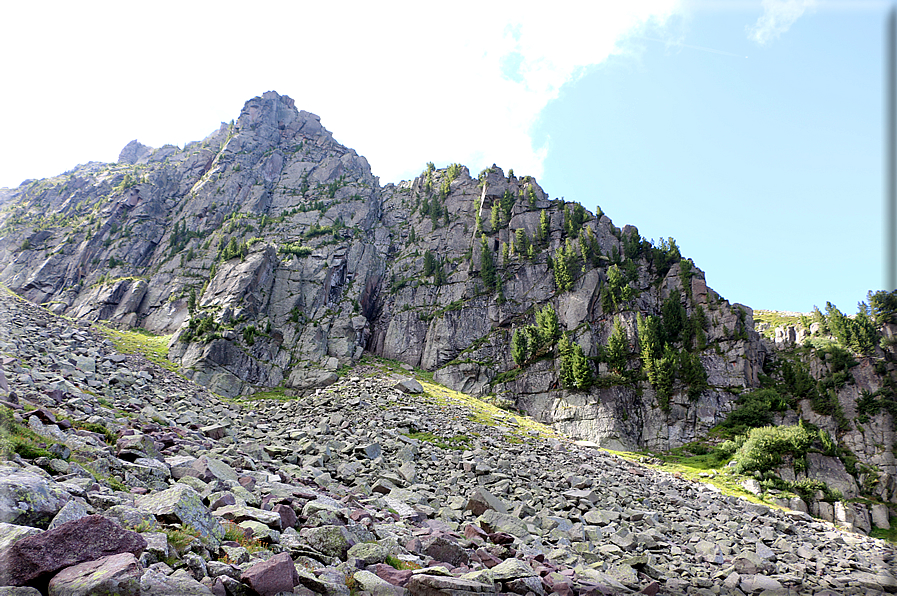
<point>122,477</point>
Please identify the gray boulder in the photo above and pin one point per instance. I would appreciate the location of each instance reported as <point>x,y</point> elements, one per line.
<point>116,574</point>
<point>28,499</point>
<point>181,504</point>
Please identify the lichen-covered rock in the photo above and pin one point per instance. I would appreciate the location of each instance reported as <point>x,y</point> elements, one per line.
<point>155,583</point>
<point>204,468</point>
<point>70,512</point>
<point>28,499</point>
<point>115,575</point>
<point>181,504</point>
<point>333,541</point>
<point>11,533</point>
<point>241,513</point>
<point>368,553</point>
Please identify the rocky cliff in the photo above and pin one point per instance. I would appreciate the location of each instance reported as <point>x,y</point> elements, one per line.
<point>274,257</point>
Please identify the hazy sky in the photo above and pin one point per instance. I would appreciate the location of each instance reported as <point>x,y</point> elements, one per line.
<point>751,132</point>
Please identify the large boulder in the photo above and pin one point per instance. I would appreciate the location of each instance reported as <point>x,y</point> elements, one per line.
<point>205,468</point>
<point>11,533</point>
<point>116,574</point>
<point>482,499</point>
<point>180,504</point>
<point>36,558</point>
<point>156,583</point>
<point>276,575</point>
<point>832,472</point>
<point>28,499</point>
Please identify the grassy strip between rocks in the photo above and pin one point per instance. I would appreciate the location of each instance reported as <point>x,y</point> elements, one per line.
<point>518,427</point>
<point>889,534</point>
<point>708,467</point>
<point>139,341</point>
<point>459,442</point>
<point>775,319</point>
<point>18,438</point>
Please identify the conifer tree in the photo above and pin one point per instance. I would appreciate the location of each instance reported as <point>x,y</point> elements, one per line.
<point>487,265</point>
<point>562,278</point>
<point>547,323</point>
<point>495,220</point>
<point>507,204</point>
<point>519,347</point>
<point>429,263</point>
<point>544,227</point>
<point>522,241</point>
<point>582,371</point>
<point>565,351</point>
<point>617,348</point>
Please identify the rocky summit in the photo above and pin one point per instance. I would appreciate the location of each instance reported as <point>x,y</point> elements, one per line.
<point>142,482</point>
<point>245,366</point>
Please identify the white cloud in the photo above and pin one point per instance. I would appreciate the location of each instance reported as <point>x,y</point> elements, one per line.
<point>777,18</point>
<point>403,83</point>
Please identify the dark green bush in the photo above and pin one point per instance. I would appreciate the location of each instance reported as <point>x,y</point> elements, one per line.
<point>765,447</point>
<point>755,410</point>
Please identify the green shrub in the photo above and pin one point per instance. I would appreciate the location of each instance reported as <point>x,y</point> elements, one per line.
<point>755,410</point>
<point>108,436</point>
<point>765,447</point>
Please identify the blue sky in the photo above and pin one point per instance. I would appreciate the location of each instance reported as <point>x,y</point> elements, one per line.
<point>764,163</point>
<point>749,131</point>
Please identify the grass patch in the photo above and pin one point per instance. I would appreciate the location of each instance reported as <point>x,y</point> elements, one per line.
<point>459,442</point>
<point>140,341</point>
<point>181,538</point>
<point>109,437</point>
<point>397,563</point>
<point>889,534</point>
<point>277,394</point>
<point>698,468</point>
<point>235,533</point>
<point>481,412</point>
<point>775,318</point>
<point>18,438</point>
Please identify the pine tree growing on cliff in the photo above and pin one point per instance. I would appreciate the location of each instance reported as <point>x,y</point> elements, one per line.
<point>565,351</point>
<point>544,227</point>
<point>429,263</point>
<point>519,347</point>
<point>487,265</point>
<point>582,371</point>
<point>507,205</point>
<point>522,242</point>
<point>617,351</point>
<point>495,219</point>
<point>547,325</point>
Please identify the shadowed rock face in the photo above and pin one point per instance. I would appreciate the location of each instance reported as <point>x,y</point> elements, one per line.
<point>275,257</point>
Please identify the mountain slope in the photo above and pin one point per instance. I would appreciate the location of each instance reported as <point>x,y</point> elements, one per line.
<point>355,486</point>
<point>275,259</point>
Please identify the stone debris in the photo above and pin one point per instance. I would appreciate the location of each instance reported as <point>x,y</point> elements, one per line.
<point>330,494</point>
